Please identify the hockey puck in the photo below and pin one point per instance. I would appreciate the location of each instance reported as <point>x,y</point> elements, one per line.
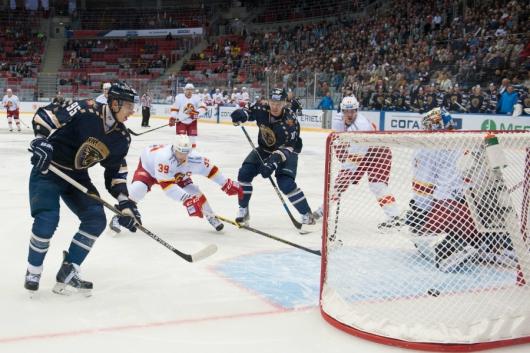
<point>433,292</point>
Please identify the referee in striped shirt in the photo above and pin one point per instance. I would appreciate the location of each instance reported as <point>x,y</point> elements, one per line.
<point>146,108</point>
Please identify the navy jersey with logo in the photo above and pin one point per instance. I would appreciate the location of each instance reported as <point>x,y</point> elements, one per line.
<point>84,133</point>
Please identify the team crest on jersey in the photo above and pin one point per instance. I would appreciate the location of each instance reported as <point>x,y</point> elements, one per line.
<point>268,135</point>
<point>91,152</point>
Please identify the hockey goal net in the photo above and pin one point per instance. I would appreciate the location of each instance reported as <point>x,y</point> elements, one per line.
<point>425,238</point>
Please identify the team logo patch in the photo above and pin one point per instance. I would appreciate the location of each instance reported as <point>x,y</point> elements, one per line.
<point>268,135</point>
<point>91,152</point>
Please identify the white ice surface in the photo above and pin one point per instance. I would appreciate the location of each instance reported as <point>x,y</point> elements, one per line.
<point>146,299</point>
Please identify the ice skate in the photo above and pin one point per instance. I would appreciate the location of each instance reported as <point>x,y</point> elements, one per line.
<point>215,222</point>
<point>309,223</point>
<point>68,280</point>
<point>31,282</point>
<point>318,214</point>
<point>115,225</point>
<point>243,215</point>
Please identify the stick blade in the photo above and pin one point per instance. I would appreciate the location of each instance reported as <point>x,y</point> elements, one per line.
<point>204,253</point>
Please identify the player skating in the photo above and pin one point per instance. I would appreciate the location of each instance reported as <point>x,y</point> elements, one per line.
<point>171,166</point>
<point>185,112</point>
<point>375,162</point>
<point>12,104</point>
<point>279,145</point>
<point>74,137</point>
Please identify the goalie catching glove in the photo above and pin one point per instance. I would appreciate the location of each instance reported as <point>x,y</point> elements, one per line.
<point>194,204</point>
<point>130,216</point>
<point>232,188</point>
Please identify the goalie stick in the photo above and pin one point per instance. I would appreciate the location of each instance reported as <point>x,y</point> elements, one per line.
<point>199,255</point>
<point>145,132</point>
<point>257,231</point>
<point>297,224</point>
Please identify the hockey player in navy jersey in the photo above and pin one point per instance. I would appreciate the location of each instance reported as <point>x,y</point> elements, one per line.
<point>279,145</point>
<point>73,137</point>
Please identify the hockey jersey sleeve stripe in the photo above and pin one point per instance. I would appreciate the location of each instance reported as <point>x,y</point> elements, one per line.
<point>213,172</point>
<point>421,188</point>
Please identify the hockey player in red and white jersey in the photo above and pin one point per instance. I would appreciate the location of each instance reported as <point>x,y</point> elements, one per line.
<point>102,98</point>
<point>171,166</point>
<point>357,161</point>
<point>207,98</point>
<point>235,97</point>
<point>244,98</point>
<point>12,104</point>
<point>185,112</point>
<point>218,98</point>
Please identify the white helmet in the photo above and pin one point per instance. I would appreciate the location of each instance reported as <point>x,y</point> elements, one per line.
<point>349,103</point>
<point>189,86</point>
<point>106,85</point>
<point>182,144</point>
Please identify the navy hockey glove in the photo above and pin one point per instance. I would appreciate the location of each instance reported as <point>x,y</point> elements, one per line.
<point>239,116</point>
<point>42,154</point>
<point>130,215</point>
<point>270,165</point>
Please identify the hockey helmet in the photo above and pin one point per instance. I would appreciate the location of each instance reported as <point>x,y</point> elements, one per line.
<point>182,144</point>
<point>278,94</point>
<point>349,103</point>
<point>106,85</point>
<point>189,86</point>
<point>121,91</point>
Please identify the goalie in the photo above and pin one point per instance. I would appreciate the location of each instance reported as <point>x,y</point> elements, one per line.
<point>171,167</point>
<point>443,218</point>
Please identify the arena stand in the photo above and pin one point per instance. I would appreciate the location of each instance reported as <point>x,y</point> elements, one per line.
<point>22,47</point>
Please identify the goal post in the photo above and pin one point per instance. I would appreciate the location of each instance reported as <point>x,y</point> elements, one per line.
<point>425,238</point>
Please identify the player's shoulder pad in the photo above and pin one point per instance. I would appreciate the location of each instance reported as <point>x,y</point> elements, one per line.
<point>288,115</point>
<point>194,157</point>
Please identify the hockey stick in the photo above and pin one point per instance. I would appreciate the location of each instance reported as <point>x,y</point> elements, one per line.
<point>202,254</point>
<point>145,132</point>
<point>297,224</point>
<point>257,231</point>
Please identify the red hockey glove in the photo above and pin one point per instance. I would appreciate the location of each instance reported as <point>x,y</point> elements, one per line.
<point>232,188</point>
<point>194,205</point>
<point>172,121</point>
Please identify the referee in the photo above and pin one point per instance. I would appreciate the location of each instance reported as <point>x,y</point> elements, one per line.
<point>146,108</point>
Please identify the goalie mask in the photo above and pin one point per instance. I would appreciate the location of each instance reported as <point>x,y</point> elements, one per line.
<point>438,119</point>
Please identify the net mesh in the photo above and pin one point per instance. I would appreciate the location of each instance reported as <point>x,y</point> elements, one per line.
<point>426,235</point>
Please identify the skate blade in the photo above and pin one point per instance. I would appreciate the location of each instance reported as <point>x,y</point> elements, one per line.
<point>309,228</point>
<point>32,294</point>
<point>66,290</point>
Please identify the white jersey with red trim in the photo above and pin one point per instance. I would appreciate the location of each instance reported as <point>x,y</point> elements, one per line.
<point>436,176</point>
<point>161,164</point>
<point>354,153</point>
<point>184,108</point>
<point>361,123</point>
<point>218,98</point>
<point>11,103</point>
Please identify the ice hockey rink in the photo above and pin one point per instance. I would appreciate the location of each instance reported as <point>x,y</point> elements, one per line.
<point>254,295</point>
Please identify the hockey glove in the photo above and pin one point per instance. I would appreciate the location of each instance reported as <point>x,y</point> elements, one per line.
<point>172,121</point>
<point>270,165</point>
<point>232,188</point>
<point>194,205</point>
<point>239,116</point>
<point>42,154</point>
<point>130,215</point>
